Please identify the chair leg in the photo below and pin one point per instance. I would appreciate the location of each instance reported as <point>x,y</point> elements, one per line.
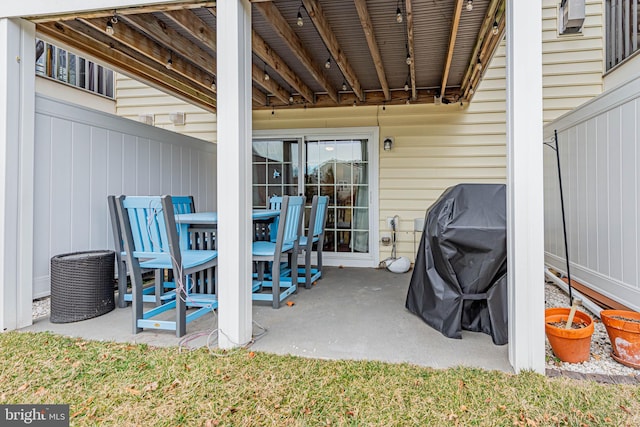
<point>275,281</point>
<point>307,268</point>
<point>181,309</point>
<point>294,271</point>
<point>159,285</point>
<point>136,298</point>
<point>319,253</point>
<point>122,283</point>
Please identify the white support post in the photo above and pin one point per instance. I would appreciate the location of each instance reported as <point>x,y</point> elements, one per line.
<point>17,119</point>
<point>234,172</point>
<point>525,214</point>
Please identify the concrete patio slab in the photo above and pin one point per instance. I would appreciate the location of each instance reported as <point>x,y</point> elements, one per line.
<point>352,313</point>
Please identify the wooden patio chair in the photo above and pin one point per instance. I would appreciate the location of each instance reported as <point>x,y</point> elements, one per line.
<point>151,241</point>
<point>153,293</point>
<point>315,235</point>
<point>286,243</point>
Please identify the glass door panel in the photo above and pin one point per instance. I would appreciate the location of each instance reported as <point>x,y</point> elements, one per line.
<point>337,168</point>
<point>275,170</point>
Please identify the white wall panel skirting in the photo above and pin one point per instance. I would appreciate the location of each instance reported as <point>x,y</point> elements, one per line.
<point>83,155</point>
<point>600,162</point>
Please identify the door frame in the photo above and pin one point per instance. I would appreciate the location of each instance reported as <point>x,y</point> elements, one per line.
<point>372,134</point>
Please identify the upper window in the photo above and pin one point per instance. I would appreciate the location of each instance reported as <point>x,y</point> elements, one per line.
<point>66,67</point>
<point>622,30</point>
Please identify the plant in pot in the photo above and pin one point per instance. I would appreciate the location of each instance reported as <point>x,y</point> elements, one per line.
<point>623,327</point>
<point>569,332</point>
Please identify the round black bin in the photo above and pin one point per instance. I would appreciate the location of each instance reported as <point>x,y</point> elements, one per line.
<point>82,285</point>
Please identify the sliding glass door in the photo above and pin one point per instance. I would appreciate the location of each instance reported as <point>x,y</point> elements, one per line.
<point>339,167</point>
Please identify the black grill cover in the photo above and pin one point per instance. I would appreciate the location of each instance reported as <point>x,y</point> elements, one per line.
<point>460,275</point>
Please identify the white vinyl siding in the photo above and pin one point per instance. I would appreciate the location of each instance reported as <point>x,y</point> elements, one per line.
<point>134,98</point>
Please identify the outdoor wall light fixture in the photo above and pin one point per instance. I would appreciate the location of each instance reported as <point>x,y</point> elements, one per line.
<point>470,5</point>
<point>344,86</point>
<point>495,28</point>
<point>398,16</point>
<point>327,64</point>
<point>387,144</point>
<point>169,64</point>
<point>110,23</point>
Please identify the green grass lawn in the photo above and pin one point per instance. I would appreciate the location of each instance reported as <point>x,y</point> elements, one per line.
<point>122,384</point>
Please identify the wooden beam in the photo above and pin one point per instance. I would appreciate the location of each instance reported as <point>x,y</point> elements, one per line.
<point>367,27</point>
<point>488,46</point>
<point>314,10</point>
<point>412,66</point>
<point>158,30</point>
<point>372,98</point>
<point>269,85</point>
<point>262,49</point>
<point>192,24</point>
<point>110,52</point>
<point>123,11</point>
<point>149,48</point>
<point>489,17</point>
<point>452,44</point>
<point>259,97</point>
<point>282,28</point>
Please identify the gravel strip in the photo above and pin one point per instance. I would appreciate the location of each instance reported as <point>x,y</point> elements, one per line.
<point>41,307</point>
<point>600,362</point>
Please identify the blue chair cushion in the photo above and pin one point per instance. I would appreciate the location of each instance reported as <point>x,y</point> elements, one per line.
<point>268,248</point>
<point>303,240</point>
<point>190,258</point>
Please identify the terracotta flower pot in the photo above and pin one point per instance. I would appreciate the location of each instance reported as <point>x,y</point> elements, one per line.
<point>569,345</point>
<point>624,335</point>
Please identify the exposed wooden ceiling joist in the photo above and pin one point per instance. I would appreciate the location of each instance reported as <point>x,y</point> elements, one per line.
<point>121,58</point>
<point>269,84</point>
<point>158,30</point>
<point>372,98</point>
<point>273,60</point>
<point>282,28</point>
<point>367,26</point>
<point>452,44</point>
<point>135,10</point>
<point>258,96</point>
<point>314,10</point>
<point>192,24</point>
<point>486,53</point>
<point>150,49</point>
<point>484,35</point>
<point>412,65</point>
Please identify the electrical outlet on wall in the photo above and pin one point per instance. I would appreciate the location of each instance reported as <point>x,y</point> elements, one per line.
<point>390,222</point>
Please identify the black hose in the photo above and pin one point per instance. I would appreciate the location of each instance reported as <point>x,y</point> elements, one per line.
<point>564,222</point>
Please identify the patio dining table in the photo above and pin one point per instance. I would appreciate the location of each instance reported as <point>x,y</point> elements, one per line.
<point>198,231</point>
<point>208,221</point>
